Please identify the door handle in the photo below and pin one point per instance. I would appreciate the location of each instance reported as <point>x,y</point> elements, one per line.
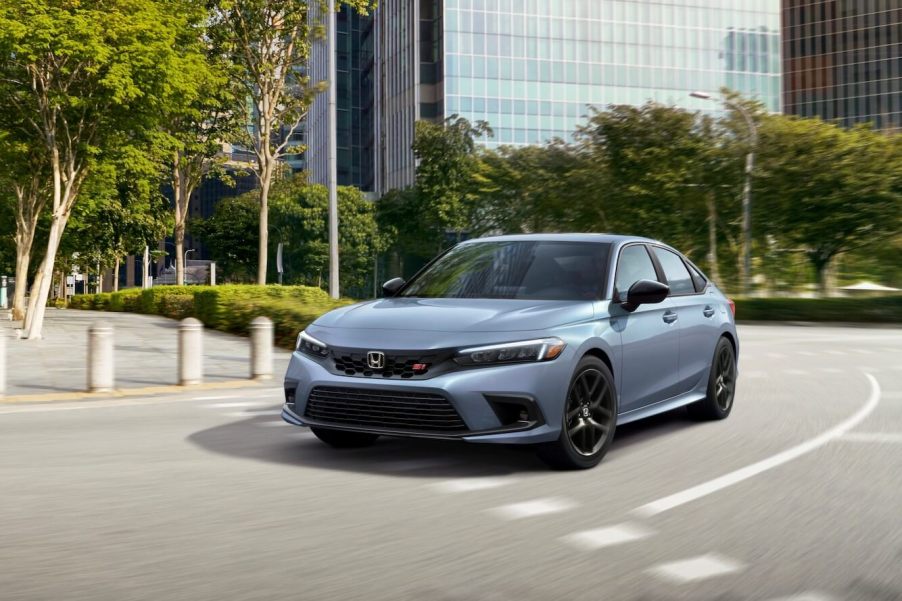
<point>670,317</point>
<point>709,311</point>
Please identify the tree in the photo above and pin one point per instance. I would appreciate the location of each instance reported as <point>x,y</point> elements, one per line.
<point>269,41</point>
<point>23,170</point>
<point>91,79</point>
<point>825,189</point>
<point>205,114</point>
<point>300,221</point>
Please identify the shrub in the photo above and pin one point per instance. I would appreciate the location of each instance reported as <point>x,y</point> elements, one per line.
<point>878,309</point>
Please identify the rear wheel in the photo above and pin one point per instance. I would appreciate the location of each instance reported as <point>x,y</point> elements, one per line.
<point>342,439</point>
<point>590,416</point>
<point>721,385</point>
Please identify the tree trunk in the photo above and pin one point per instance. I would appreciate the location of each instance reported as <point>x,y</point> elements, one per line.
<point>264,226</point>
<point>23,259</point>
<point>63,294</point>
<point>116,276</point>
<point>180,255</point>
<point>41,288</point>
<point>712,238</point>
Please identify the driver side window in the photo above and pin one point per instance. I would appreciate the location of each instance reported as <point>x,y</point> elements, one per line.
<point>634,265</point>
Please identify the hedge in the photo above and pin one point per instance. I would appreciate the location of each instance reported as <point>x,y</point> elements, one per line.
<point>229,308</point>
<point>871,309</point>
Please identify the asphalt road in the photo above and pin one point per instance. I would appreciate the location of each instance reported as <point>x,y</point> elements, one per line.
<point>798,495</point>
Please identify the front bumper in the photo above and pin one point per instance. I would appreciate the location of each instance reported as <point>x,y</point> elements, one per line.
<point>474,393</point>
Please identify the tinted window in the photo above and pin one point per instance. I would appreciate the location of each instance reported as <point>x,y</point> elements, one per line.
<point>526,270</point>
<point>635,265</point>
<point>675,271</point>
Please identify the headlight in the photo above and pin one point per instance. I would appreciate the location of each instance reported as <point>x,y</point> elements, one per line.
<point>544,349</point>
<point>309,345</point>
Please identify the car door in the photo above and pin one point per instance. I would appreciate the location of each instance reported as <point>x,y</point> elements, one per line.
<point>649,336</point>
<point>696,313</point>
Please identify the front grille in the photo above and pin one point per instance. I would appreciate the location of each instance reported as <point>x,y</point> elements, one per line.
<point>386,409</point>
<point>350,363</point>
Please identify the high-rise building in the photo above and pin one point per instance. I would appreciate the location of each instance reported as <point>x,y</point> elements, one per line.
<point>842,60</point>
<point>355,70</point>
<point>531,68</point>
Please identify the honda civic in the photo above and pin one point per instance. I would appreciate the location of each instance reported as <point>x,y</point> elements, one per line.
<point>549,340</point>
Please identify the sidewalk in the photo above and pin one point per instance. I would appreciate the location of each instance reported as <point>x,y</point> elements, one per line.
<point>145,354</point>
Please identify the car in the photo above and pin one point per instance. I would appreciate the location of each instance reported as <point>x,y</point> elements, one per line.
<point>549,340</point>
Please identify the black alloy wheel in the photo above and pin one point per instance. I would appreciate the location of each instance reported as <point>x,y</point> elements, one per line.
<point>589,419</point>
<point>721,385</point>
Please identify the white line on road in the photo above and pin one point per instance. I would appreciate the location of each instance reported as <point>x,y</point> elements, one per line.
<point>712,486</point>
<point>213,398</point>
<point>590,540</point>
<point>471,484</point>
<point>887,437</point>
<point>806,353</point>
<point>830,370</point>
<point>529,509</point>
<point>253,413</point>
<point>237,404</point>
<point>273,423</point>
<point>696,568</point>
<point>811,596</point>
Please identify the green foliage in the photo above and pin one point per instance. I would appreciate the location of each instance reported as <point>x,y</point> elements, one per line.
<point>825,190</point>
<point>229,308</point>
<point>879,309</point>
<point>299,219</point>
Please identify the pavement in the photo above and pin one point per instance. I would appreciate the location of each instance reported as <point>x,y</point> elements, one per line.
<point>208,495</point>
<point>146,355</point>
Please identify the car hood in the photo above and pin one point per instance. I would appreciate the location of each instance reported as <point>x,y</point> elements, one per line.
<point>457,315</point>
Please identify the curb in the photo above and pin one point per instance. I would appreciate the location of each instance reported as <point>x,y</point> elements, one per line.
<point>51,397</point>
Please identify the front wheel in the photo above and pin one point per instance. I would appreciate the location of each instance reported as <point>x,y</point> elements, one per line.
<point>718,403</point>
<point>589,420</point>
<point>342,439</point>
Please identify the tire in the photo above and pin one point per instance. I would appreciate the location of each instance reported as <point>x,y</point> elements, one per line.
<point>588,421</point>
<point>342,439</point>
<point>718,403</point>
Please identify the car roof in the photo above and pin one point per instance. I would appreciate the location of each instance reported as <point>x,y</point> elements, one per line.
<point>609,238</point>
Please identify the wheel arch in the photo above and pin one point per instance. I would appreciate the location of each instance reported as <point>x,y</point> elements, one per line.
<point>600,354</point>
<point>732,340</point>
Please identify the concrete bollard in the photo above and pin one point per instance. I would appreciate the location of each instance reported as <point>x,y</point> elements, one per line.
<point>261,348</point>
<point>191,351</point>
<point>2,363</point>
<point>100,358</point>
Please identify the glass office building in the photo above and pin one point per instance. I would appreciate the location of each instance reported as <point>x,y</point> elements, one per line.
<point>531,68</point>
<point>843,60</point>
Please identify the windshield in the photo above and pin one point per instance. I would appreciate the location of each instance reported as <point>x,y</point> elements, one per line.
<point>516,270</point>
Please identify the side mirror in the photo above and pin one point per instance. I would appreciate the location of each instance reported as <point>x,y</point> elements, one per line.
<point>391,287</point>
<point>645,292</point>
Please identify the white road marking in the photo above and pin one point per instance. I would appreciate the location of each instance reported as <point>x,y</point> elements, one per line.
<point>212,398</point>
<point>528,509</point>
<point>273,423</point>
<point>887,437</point>
<point>810,596</point>
<point>237,404</point>
<point>806,353</point>
<point>471,484</point>
<point>795,372</point>
<point>590,540</point>
<point>712,486</point>
<point>830,370</point>
<point>415,464</point>
<point>696,568</point>
<point>252,413</point>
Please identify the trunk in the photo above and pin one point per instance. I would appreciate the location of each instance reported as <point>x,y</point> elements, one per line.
<point>41,288</point>
<point>116,276</point>
<point>712,238</point>
<point>63,294</point>
<point>820,263</point>
<point>23,259</point>
<point>180,255</point>
<point>264,227</point>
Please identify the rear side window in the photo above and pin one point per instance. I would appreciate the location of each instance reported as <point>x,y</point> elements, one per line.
<point>678,277</point>
<point>634,265</point>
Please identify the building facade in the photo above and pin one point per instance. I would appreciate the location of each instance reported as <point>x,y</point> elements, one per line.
<point>842,60</point>
<point>532,68</point>
<point>355,78</point>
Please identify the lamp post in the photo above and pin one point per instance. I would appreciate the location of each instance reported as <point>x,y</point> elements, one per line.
<point>746,265</point>
<point>190,250</point>
<point>334,289</point>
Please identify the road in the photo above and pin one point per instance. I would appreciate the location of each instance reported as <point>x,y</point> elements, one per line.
<point>798,495</point>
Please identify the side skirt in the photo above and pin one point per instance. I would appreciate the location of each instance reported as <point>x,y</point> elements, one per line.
<point>660,407</point>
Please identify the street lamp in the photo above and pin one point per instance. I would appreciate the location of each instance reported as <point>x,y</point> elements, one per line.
<point>745,274</point>
<point>190,250</point>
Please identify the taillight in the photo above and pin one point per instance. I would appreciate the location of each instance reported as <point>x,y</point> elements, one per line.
<point>732,306</point>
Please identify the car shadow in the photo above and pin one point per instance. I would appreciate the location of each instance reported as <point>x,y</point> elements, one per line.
<point>262,438</point>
